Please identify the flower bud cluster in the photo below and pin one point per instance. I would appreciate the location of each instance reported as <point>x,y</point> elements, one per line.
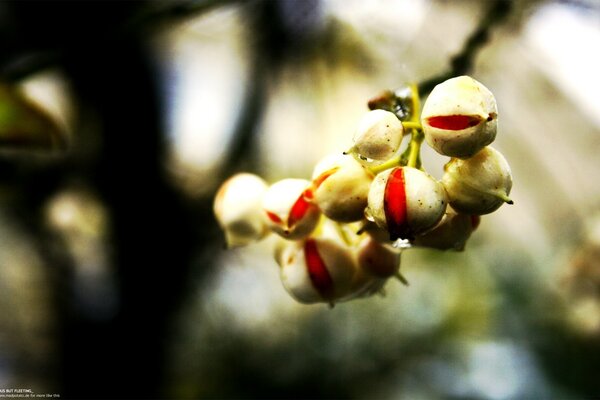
<point>340,234</point>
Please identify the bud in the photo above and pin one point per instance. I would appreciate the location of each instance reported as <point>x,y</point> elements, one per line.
<point>340,187</point>
<point>406,202</point>
<point>238,209</point>
<point>288,212</point>
<point>451,233</point>
<point>317,269</point>
<point>459,117</point>
<point>379,135</point>
<point>478,185</point>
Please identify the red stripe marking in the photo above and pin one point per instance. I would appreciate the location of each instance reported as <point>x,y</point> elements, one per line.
<point>394,205</point>
<point>321,178</point>
<point>298,211</point>
<point>454,122</point>
<point>309,193</point>
<point>273,217</point>
<point>317,270</point>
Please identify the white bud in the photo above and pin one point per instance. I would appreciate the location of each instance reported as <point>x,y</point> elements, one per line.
<point>379,135</point>
<point>317,270</point>
<point>478,185</point>
<point>451,233</point>
<point>459,117</point>
<point>287,211</point>
<point>238,209</point>
<point>340,187</point>
<point>406,202</point>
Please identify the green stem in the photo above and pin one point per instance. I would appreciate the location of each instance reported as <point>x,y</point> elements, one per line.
<point>416,103</point>
<point>414,159</point>
<point>411,125</point>
<point>391,163</point>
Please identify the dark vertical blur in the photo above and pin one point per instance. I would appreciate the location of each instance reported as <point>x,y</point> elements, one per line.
<point>119,152</point>
<point>113,80</point>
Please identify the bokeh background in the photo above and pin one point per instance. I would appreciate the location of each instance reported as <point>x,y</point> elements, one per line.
<point>114,280</point>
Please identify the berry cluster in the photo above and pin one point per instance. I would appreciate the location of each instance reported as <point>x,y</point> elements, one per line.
<point>341,232</point>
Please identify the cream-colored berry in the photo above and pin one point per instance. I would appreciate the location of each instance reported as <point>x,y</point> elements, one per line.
<point>340,187</point>
<point>478,185</point>
<point>379,135</point>
<point>459,117</point>
<point>287,211</point>
<point>406,201</point>
<point>317,269</point>
<point>238,209</point>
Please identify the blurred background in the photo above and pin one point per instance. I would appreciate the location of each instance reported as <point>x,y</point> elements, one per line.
<point>119,120</point>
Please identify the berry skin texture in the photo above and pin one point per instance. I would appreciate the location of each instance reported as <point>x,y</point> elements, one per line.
<point>238,209</point>
<point>478,185</point>
<point>460,117</point>
<point>406,202</point>
<point>379,135</point>
<point>340,187</point>
<point>287,211</point>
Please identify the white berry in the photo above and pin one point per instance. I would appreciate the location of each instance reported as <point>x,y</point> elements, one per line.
<point>340,187</point>
<point>317,270</point>
<point>238,209</point>
<point>459,117</point>
<point>287,211</point>
<point>379,135</point>
<point>478,185</point>
<point>406,202</point>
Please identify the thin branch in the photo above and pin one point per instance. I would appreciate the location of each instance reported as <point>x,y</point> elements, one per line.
<point>462,62</point>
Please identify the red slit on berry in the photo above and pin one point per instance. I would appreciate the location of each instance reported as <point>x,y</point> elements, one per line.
<point>454,122</point>
<point>394,205</point>
<point>317,271</point>
<point>298,211</point>
<point>273,217</point>
<point>321,178</point>
<point>309,193</point>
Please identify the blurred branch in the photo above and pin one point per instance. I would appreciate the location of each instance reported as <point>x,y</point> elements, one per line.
<point>399,101</point>
<point>462,62</point>
<point>150,16</point>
